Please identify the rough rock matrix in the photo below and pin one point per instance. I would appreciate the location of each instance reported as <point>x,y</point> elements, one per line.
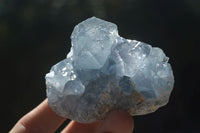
<point>104,72</point>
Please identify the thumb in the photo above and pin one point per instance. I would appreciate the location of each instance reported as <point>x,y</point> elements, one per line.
<point>117,122</point>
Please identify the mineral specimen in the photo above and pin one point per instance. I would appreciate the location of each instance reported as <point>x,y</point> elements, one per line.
<point>104,72</point>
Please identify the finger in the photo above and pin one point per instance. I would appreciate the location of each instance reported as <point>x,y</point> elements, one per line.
<point>117,122</point>
<point>40,120</point>
<point>75,127</point>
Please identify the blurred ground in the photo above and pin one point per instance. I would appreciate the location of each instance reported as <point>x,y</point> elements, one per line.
<point>34,35</point>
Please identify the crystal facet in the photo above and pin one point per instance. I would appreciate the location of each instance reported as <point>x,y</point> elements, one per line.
<point>104,72</point>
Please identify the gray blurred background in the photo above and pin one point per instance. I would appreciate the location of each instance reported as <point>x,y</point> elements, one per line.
<point>34,35</point>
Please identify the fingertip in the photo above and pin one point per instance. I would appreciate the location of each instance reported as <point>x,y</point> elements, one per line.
<point>75,127</point>
<point>117,122</point>
<point>40,119</point>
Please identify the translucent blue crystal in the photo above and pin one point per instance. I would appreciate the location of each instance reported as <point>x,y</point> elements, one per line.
<point>104,72</point>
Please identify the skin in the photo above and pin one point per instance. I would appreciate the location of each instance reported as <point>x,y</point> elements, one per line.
<point>43,120</point>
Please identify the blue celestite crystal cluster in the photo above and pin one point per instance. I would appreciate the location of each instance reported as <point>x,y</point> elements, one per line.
<point>104,72</point>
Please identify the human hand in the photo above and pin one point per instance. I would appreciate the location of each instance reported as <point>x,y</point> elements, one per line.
<point>43,120</point>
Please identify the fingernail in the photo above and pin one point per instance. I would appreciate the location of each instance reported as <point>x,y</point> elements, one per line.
<point>18,128</point>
